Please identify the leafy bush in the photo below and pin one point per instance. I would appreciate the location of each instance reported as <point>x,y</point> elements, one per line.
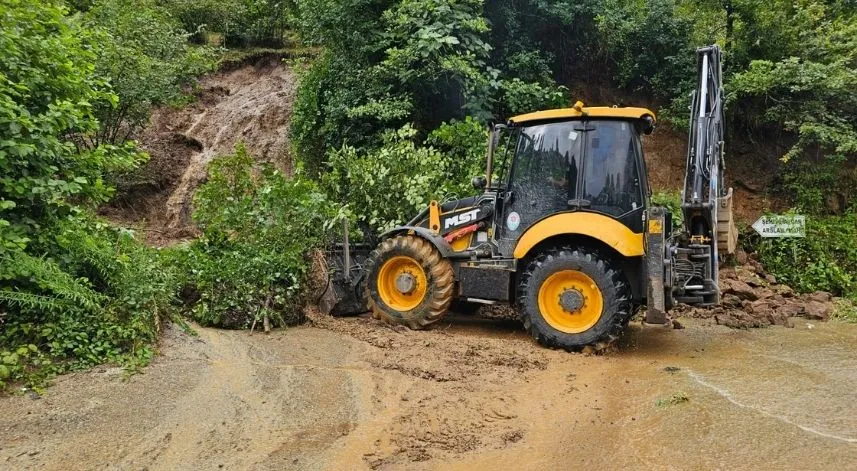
<point>650,45</point>
<point>259,228</point>
<point>397,180</point>
<point>100,297</point>
<point>806,85</point>
<point>47,87</point>
<point>464,144</point>
<point>73,291</point>
<point>826,259</point>
<point>672,201</point>
<point>241,23</point>
<point>144,55</point>
<point>524,97</point>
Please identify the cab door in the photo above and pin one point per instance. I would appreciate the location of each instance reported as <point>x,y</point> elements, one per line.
<point>545,176</point>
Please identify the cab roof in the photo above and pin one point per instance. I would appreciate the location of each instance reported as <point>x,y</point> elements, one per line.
<point>579,111</point>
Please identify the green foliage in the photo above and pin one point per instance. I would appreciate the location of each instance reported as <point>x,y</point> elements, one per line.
<point>826,259</point>
<point>259,228</point>
<point>409,62</point>
<point>399,178</point>
<point>73,291</point>
<point>241,23</point>
<point>99,298</point>
<point>674,400</point>
<point>672,201</point>
<point>389,183</point>
<point>649,42</point>
<point>464,143</point>
<point>846,310</point>
<point>144,55</point>
<point>47,87</point>
<point>807,86</point>
<point>524,97</point>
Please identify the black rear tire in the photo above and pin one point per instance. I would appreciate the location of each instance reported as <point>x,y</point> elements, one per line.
<point>439,281</point>
<point>614,289</point>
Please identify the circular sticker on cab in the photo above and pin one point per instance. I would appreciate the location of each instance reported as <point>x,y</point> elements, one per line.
<point>513,220</point>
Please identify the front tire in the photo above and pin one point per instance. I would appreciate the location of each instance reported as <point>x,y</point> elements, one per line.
<point>572,298</point>
<point>409,282</point>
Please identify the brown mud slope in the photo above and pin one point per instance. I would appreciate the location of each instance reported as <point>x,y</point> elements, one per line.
<point>251,104</point>
<point>751,170</point>
<point>471,394</point>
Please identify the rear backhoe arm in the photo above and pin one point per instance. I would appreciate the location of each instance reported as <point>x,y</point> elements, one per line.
<point>691,255</point>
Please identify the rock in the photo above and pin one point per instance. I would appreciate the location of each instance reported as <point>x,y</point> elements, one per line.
<point>677,324</point>
<point>730,300</point>
<point>791,309</point>
<point>741,257</point>
<point>783,291</point>
<point>761,308</point>
<point>757,267</point>
<point>741,289</point>
<point>821,296</point>
<point>755,281</point>
<point>818,310</point>
<point>770,278</point>
<point>764,293</point>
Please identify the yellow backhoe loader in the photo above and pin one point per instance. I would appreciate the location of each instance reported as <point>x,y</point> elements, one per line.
<point>562,228</point>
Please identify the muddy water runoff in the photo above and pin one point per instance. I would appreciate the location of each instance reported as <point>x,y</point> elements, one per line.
<point>773,398</point>
<point>469,394</point>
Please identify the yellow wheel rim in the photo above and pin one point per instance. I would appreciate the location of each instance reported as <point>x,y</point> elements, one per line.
<point>402,283</point>
<point>583,301</point>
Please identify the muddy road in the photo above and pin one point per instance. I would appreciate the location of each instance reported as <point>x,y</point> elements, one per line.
<point>471,394</point>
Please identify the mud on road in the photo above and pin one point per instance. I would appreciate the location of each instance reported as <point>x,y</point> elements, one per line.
<point>470,394</point>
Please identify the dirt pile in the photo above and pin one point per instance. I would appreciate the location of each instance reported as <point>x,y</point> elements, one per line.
<point>753,298</point>
<point>250,104</point>
<point>457,402</point>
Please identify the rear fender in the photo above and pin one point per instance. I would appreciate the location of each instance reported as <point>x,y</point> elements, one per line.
<point>435,239</point>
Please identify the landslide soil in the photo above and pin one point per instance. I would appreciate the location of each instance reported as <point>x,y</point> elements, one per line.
<point>470,394</point>
<point>250,103</point>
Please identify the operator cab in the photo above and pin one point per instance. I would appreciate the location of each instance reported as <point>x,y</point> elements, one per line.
<point>569,160</point>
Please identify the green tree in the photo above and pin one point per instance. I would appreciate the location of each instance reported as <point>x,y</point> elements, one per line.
<point>259,228</point>
<point>144,54</point>
<point>73,290</point>
<point>48,85</point>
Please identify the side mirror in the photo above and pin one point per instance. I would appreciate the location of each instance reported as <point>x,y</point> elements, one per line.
<point>479,182</point>
<point>648,124</point>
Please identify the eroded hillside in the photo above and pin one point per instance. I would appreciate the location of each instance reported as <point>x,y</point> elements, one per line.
<point>250,104</point>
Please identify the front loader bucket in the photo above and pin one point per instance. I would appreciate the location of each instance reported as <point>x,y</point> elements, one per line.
<point>344,295</point>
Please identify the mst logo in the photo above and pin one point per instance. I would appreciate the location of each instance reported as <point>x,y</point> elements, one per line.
<point>460,219</point>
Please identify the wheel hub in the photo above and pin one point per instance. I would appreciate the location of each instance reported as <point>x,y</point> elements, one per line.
<point>405,283</point>
<point>571,300</point>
